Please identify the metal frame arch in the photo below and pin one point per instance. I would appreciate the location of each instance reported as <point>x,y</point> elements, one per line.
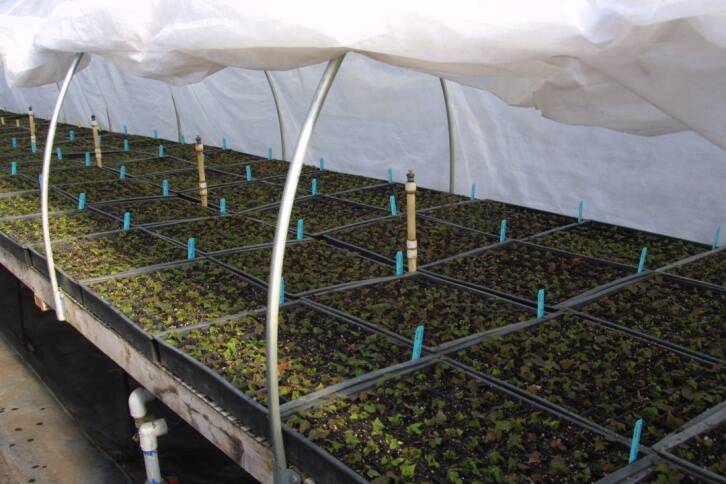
<point>279,464</point>
<point>279,114</point>
<point>45,185</point>
<point>452,135</point>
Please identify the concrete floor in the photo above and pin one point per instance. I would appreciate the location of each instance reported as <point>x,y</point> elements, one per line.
<point>39,442</point>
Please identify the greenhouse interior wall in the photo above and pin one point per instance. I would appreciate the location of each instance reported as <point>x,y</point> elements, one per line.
<point>379,116</point>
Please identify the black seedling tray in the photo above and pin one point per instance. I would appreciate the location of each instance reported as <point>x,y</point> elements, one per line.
<point>578,308</point>
<point>427,269</point>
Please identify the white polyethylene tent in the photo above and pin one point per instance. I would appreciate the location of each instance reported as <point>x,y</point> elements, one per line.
<point>638,66</point>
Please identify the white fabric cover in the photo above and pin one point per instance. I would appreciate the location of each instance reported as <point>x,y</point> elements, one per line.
<point>638,66</point>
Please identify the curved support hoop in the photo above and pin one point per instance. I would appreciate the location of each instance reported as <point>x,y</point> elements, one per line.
<point>452,138</point>
<point>278,253</point>
<point>279,114</point>
<point>45,184</point>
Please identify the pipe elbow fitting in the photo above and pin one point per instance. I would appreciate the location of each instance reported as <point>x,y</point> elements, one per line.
<point>138,400</point>
<point>150,432</point>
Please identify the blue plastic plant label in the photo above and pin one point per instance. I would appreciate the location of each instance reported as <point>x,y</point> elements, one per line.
<point>643,258</point>
<point>269,153</point>
<point>300,229</point>
<point>389,175</point>
<point>126,129</point>
<point>33,147</point>
<point>14,142</point>
<point>72,135</point>
<point>191,248</point>
<point>156,134</point>
<point>87,159</point>
<point>81,200</point>
<point>122,172</point>
<point>224,143</point>
<point>635,442</point>
<point>418,342</point>
<point>59,153</point>
<point>13,168</point>
<point>182,139</point>
<point>540,303</point>
<point>322,163</point>
<point>503,230</point>
<point>40,180</point>
<point>392,203</point>
<point>248,172</point>
<point>127,220</point>
<point>126,144</point>
<point>716,236</point>
<point>164,188</point>
<point>472,193</point>
<point>282,290</point>
<point>399,263</point>
<point>314,186</point>
<point>161,151</point>
<point>581,212</point>
<point>223,206</point>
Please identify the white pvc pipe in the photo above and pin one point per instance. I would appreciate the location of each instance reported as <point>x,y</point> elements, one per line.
<point>280,471</point>
<point>148,441</point>
<point>45,184</point>
<point>137,402</point>
<point>279,115</point>
<point>452,137</point>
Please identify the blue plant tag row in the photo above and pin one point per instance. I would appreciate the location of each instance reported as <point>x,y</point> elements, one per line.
<point>224,143</point>
<point>418,342</point>
<point>126,144</point>
<point>87,159</point>
<point>472,193</point>
<point>503,230</point>
<point>223,206</point>
<point>72,135</point>
<point>716,236</point>
<point>399,263</point>
<point>300,229</point>
<point>282,290</point>
<point>389,175</point>
<point>392,203</point>
<point>59,153</point>
<point>81,200</point>
<point>122,172</point>
<point>643,258</point>
<point>248,172</point>
<point>165,188</point>
<point>269,153</point>
<point>322,163</point>
<point>635,442</point>
<point>161,151</point>
<point>14,142</point>
<point>191,248</point>
<point>127,220</point>
<point>13,168</point>
<point>314,186</point>
<point>540,303</point>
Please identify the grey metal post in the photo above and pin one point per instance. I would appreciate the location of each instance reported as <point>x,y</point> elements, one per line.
<point>45,184</point>
<point>279,114</point>
<point>452,138</point>
<point>281,473</point>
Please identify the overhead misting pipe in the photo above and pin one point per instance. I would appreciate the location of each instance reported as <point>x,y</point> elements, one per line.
<point>45,184</point>
<point>31,123</point>
<point>280,471</point>
<point>96,141</point>
<point>199,148</point>
<point>279,114</point>
<point>452,137</point>
<point>411,244</point>
<point>150,430</point>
